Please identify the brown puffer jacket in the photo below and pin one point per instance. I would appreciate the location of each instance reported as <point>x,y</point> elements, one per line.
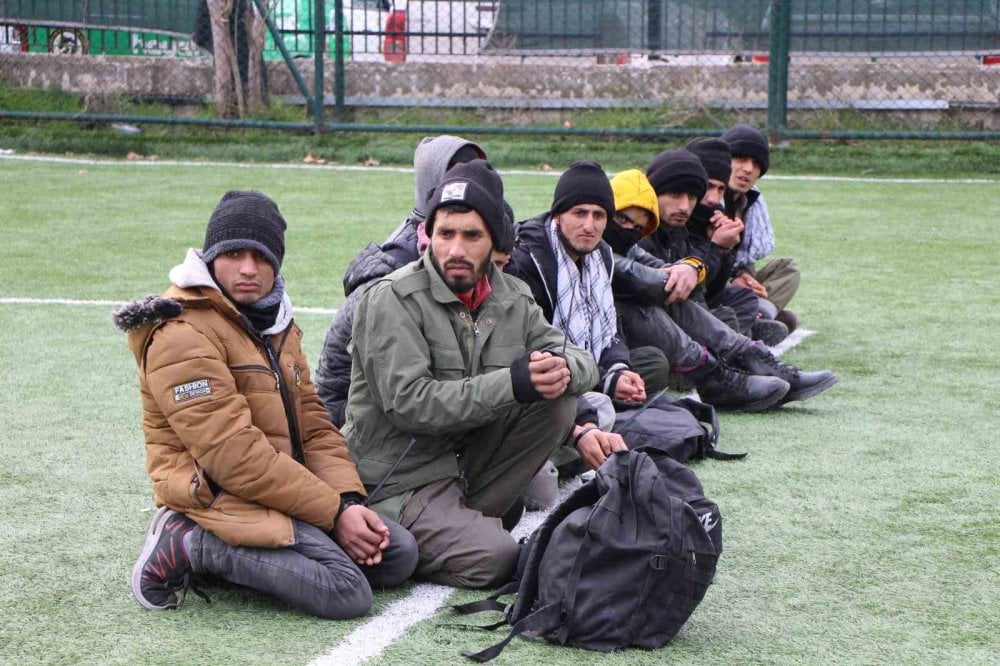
<point>218,442</point>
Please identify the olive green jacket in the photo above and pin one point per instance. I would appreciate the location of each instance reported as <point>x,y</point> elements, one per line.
<point>423,369</point>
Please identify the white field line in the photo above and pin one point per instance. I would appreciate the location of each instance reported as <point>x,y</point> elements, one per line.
<point>18,300</point>
<point>370,638</point>
<point>79,161</point>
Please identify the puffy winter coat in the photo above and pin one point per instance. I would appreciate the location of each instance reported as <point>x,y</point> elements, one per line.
<point>236,437</point>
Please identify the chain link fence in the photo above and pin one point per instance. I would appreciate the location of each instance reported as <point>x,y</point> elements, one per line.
<point>805,67</point>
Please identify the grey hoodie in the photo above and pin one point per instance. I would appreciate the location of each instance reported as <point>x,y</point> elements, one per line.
<point>333,371</point>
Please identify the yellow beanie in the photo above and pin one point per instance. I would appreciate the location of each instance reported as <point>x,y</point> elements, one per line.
<point>631,188</point>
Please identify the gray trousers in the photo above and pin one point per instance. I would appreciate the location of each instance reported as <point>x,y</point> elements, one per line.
<point>781,279</point>
<point>314,575</point>
<point>679,330</point>
<point>456,522</point>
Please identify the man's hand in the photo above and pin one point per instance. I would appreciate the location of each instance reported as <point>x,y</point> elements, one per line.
<point>362,534</point>
<point>549,374</point>
<point>724,231</point>
<point>596,445</point>
<point>751,283</point>
<point>630,387</point>
<point>681,281</point>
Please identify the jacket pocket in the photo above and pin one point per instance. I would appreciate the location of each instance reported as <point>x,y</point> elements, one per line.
<point>447,362</point>
<point>254,379</point>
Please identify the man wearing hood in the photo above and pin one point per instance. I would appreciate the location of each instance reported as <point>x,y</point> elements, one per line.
<point>460,390</point>
<point>255,485</point>
<point>432,158</point>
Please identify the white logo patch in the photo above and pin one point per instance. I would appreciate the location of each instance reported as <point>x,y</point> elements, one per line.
<point>454,192</point>
<point>192,390</point>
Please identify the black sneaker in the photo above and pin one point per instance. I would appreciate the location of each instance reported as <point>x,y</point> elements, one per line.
<point>163,568</point>
<point>803,384</point>
<point>768,331</point>
<point>788,318</point>
<point>729,388</point>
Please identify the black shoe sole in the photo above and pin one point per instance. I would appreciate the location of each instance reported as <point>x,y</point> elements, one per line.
<point>815,389</point>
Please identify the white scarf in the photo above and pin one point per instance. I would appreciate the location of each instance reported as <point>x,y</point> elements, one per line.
<point>758,236</point>
<point>584,309</point>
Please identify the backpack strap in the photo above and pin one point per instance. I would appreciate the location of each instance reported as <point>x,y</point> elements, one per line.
<point>706,414</point>
<point>542,620</point>
<point>490,603</point>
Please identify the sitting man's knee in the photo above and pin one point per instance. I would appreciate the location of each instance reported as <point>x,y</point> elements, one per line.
<point>402,558</point>
<point>352,599</point>
<point>494,564</point>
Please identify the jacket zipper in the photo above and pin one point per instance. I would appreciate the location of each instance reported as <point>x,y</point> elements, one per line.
<point>286,400</point>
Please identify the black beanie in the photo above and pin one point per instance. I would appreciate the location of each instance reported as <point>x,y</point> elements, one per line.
<point>477,185</point>
<point>677,172</point>
<point>246,219</point>
<point>583,183</point>
<point>748,141</point>
<point>715,157</point>
<point>506,242</point>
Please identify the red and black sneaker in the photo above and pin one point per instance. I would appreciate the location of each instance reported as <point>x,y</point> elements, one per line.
<point>163,567</point>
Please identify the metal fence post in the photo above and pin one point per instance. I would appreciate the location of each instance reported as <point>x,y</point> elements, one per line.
<point>777,73</point>
<point>319,46</point>
<point>339,58</point>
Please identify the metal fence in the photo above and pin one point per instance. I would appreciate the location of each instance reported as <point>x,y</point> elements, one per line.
<point>805,67</point>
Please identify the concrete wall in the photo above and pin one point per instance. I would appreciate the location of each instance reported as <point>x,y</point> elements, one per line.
<point>903,81</point>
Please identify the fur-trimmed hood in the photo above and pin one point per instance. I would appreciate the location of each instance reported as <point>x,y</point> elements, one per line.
<point>192,274</point>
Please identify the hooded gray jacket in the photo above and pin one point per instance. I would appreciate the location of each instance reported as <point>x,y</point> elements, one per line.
<point>333,371</point>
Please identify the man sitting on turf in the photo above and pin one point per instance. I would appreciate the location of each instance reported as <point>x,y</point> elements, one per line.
<point>776,282</point>
<point>729,370</point>
<point>460,390</point>
<point>561,256</point>
<point>255,484</point>
<point>431,159</point>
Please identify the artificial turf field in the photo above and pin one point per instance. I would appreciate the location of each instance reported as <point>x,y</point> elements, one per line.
<point>862,528</point>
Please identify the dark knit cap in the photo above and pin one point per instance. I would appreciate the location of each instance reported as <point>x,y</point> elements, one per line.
<point>715,157</point>
<point>506,243</point>
<point>583,183</point>
<point>677,172</point>
<point>476,185</point>
<point>246,219</point>
<point>748,141</point>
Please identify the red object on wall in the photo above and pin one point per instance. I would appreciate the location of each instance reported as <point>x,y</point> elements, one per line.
<point>991,59</point>
<point>394,48</point>
<point>760,57</point>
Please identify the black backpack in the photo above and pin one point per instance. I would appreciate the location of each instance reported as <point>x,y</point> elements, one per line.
<point>683,428</point>
<point>622,562</point>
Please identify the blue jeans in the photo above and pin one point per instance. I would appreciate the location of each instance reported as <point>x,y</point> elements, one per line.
<point>314,575</point>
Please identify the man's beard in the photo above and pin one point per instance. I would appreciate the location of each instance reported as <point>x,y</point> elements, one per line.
<point>578,251</point>
<point>461,285</point>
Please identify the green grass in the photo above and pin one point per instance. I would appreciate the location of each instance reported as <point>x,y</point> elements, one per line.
<point>945,159</point>
<point>862,527</point>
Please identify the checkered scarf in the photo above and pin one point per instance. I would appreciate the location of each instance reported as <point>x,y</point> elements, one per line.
<point>758,236</point>
<point>584,309</point>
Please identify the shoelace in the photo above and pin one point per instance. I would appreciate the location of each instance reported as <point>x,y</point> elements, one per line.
<point>187,583</point>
